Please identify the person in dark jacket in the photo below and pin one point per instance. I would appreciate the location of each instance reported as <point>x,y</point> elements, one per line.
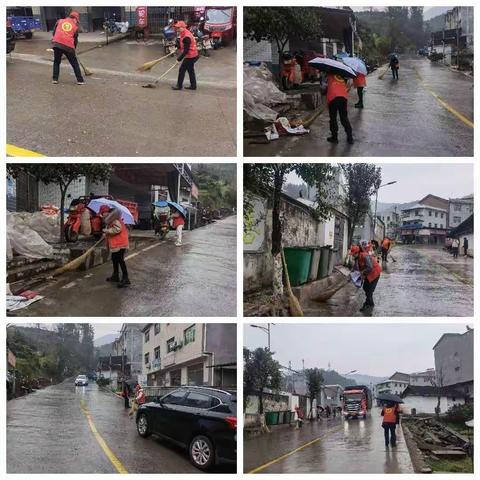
<point>126,395</point>
<point>394,65</point>
<point>65,40</point>
<point>465,246</point>
<point>188,56</point>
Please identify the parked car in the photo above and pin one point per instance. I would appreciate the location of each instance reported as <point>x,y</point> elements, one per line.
<point>10,38</point>
<point>81,381</point>
<point>202,420</point>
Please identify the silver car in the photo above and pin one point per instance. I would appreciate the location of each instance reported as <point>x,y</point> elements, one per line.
<point>81,381</point>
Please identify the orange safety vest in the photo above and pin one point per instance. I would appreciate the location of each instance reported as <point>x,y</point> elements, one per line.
<point>360,80</point>
<point>390,414</point>
<point>140,397</point>
<point>386,243</point>
<point>336,87</point>
<point>193,51</point>
<point>376,268</point>
<point>65,32</point>
<point>120,240</point>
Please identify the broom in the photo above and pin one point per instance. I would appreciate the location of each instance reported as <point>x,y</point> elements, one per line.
<point>86,71</point>
<point>149,65</point>
<point>293,303</point>
<point>383,74</point>
<point>154,85</point>
<point>74,264</point>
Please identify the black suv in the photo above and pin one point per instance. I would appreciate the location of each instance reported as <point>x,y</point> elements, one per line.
<point>202,420</point>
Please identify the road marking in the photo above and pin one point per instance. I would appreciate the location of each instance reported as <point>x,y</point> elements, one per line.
<point>288,454</point>
<point>14,151</point>
<point>144,250</point>
<point>110,455</point>
<point>444,104</point>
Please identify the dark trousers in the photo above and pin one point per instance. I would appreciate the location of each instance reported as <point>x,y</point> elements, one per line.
<point>455,252</point>
<point>71,57</point>
<point>188,65</point>
<point>384,254</point>
<point>339,105</point>
<point>395,73</point>
<point>360,96</point>
<point>119,262</point>
<point>369,288</point>
<point>126,401</point>
<point>465,251</point>
<point>389,432</point>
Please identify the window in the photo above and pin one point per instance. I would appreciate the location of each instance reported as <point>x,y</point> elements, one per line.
<point>388,219</point>
<point>147,336</point>
<point>199,400</point>
<point>171,345</point>
<point>156,353</point>
<point>430,224</point>
<point>457,208</point>
<point>436,214</point>
<point>436,225</point>
<point>417,212</point>
<point>189,335</point>
<point>175,398</point>
<point>429,213</point>
<point>441,215</point>
<point>156,329</point>
<point>457,369</point>
<point>147,358</point>
<point>457,219</point>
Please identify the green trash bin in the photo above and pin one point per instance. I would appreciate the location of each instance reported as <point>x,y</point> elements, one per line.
<point>324,260</point>
<point>298,263</point>
<point>271,418</point>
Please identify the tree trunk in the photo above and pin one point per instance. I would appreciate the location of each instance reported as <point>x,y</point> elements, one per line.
<point>277,236</point>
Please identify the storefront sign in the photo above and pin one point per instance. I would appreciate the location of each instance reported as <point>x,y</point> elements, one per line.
<point>141,17</point>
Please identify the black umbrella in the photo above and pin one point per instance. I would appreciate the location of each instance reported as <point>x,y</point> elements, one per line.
<point>332,66</point>
<point>389,397</point>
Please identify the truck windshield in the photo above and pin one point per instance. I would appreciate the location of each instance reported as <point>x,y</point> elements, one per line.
<point>353,397</point>
<point>220,15</point>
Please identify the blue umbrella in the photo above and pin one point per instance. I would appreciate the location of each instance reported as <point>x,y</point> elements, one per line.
<point>167,203</point>
<point>355,64</point>
<point>332,66</point>
<point>341,55</point>
<point>127,217</point>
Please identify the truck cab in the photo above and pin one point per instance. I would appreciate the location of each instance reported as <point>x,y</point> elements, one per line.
<point>357,401</point>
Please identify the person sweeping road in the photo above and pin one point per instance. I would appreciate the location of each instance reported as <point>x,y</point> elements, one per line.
<point>65,40</point>
<point>188,57</point>
<point>370,270</point>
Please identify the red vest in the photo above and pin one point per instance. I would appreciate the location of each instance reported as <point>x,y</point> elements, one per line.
<point>120,240</point>
<point>65,32</point>
<point>390,414</point>
<point>386,243</point>
<point>376,268</point>
<point>192,52</point>
<point>336,87</point>
<point>178,221</point>
<point>360,80</point>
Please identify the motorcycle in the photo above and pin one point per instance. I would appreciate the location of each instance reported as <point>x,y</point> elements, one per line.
<point>169,40</point>
<point>78,212</point>
<point>161,225</point>
<point>203,40</point>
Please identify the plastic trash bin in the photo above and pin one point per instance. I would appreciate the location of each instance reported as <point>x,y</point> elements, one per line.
<point>314,264</point>
<point>298,261</point>
<point>270,417</point>
<point>324,259</point>
<point>332,256</point>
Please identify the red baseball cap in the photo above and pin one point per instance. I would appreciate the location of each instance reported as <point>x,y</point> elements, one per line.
<point>75,15</point>
<point>180,24</point>
<point>355,249</point>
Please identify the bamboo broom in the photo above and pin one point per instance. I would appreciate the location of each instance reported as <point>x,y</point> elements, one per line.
<point>149,65</point>
<point>294,304</point>
<point>154,84</point>
<point>74,264</point>
<point>86,71</point>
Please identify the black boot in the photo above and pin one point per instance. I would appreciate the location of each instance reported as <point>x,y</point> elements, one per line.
<point>359,105</point>
<point>113,278</point>
<point>364,307</point>
<point>332,139</point>
<point>190,88</point>
<point>124,283</point>
<point>176,87</point>
<point>350,140</point>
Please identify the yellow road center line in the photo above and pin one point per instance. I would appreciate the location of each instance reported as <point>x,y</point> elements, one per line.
<point>14,151</point>
<point>444,104</point>
<point>110,455</point>
<point>288,454</point>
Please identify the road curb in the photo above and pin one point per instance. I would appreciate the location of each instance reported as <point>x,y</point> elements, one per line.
<point>416,456</point>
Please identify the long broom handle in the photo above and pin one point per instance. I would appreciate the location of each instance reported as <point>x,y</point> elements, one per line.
<point>170,69</point>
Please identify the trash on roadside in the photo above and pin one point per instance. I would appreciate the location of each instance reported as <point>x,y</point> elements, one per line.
<point>356,277</point>
<point>17,302</point>
<point>284,127</point>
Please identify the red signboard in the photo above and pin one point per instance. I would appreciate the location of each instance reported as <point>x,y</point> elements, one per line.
<point>141,17</point>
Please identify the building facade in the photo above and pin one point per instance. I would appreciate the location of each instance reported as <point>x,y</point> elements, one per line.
<point>391,220</point>
<point>424,400</point>
<point>459,209</point>
<point>424,224</point>
<point>177,354</point>
<point>395,387</point>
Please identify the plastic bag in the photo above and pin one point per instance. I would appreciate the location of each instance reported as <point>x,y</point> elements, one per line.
<point>356,278</point>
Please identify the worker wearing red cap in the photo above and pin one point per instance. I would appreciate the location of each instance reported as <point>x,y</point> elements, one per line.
<point>188,56</point>
<point>65,39</point>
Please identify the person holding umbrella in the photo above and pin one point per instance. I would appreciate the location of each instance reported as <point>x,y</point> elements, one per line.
<point>177,224</point>
<point>391,418</point>
<point>360,81</point>
<point>116,235</point>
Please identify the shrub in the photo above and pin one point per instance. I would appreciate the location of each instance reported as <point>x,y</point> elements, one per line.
<point>103,382</point>
<point>460,413</point>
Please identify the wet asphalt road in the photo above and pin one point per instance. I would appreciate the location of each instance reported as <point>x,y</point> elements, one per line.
<point>424,281</point>
<point>48,432</point>
<point>112,115</point>
<point>197,279</point>
<point>400,118</point>
<point>353,446</point>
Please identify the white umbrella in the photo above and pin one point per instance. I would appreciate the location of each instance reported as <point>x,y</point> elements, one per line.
<point>127,217</point>
<point>355,64</point>
<point>332,66</point>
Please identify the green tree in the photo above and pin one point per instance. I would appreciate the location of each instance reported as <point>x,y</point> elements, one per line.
<point>362,180</point>
<point>267,179</point>
<point>260,371</point>
<point>314,379</point>
<point>62,175</point>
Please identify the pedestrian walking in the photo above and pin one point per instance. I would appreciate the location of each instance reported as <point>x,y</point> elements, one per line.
<point>65,40</point>
<point>138,400</point>
<point>116,234</point>
<point>465,246</point>
<point>126,394</point>
<point>188,56</point>
<point>394,65</point>
<point>455,247</point>
<point>328,411</point>
<point>386,244</point>
<point>391,418</point>
<point>360,82</point>
<point>177,224</point>
<point>370,271</point>
<point>337,100</point>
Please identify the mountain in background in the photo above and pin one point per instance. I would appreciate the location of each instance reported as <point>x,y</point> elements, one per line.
<point>104,339</point>
<point>387,207</point>
<point>332,377</point>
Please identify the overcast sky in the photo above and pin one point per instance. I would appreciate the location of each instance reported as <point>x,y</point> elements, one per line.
<point>376,349</point>
<point>414,181</point>
<point>102,329</point>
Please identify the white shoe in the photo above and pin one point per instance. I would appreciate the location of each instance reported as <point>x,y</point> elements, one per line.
<point>177,244</point>
<point>55,82</point>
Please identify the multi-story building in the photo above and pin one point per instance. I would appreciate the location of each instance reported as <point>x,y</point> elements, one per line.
<point>129,345</point>
<point>423,379</point>
<point>454,361</point>
<point>391,220</point>
<point>395,387</point>
<point>177,354</point>
<point>459,209</point>
<point>424,224</point>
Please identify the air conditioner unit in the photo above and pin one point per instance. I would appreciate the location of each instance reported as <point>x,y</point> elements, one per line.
<point>177,345</point>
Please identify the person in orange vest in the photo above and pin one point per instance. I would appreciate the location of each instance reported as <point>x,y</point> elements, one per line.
<point>337,100</point>
<point>116,234</point>
<point>386,244</point>
<point>360,82</point>
<point>391,418</point>
<point>139,399</point>
<point>370,270</point>
<point>188,56</point>
<point>177,224</point>
<point>65,40</point>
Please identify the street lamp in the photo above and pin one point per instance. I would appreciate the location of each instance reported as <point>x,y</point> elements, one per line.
<point>376,201</point>
<point>266,330</point>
